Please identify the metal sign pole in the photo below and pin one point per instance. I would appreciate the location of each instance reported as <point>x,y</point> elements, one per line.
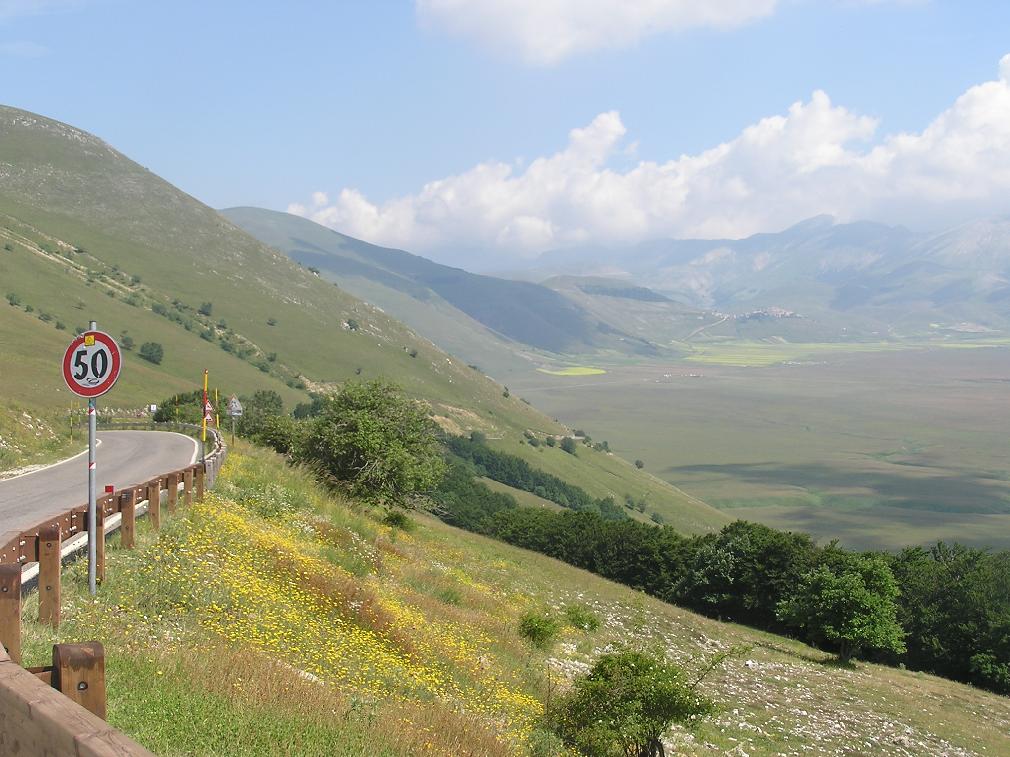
<point>92,510</point>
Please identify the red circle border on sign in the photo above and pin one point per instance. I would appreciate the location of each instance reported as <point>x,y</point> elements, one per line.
<point>109,382</point>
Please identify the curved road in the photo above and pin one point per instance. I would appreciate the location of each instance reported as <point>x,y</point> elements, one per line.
<point>124,458</point>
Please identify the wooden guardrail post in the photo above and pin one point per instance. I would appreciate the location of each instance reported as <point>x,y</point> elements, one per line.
<point>187,485</point>
<point>10,610</point>
<point>173,491</point>
<point>50,568</point>
<point>128,525</point>
<point>79,673</point>
<point>154,503</point>
<point>200,473</point>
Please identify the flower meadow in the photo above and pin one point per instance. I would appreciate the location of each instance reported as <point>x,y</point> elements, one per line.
<point>291,585</point>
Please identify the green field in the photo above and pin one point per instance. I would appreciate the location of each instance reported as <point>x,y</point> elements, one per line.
<point>876,448</point>
<point>576,370</point>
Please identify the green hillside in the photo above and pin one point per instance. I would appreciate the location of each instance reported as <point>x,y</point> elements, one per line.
<point>85,233</point>
<point>275,619</point>
<point>458,310</point>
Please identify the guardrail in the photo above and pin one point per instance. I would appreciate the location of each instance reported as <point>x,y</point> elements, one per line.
<point>72,723</point>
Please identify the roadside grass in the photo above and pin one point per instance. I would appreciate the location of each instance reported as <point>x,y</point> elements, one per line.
<point>34,438</point>
<point>231,633</point>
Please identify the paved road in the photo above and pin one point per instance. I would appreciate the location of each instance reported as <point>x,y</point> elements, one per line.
<point>124,458</point>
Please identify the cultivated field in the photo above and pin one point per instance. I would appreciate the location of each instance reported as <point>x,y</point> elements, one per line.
<point>877,448</point>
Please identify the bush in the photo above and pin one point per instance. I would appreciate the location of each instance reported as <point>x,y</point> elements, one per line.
<point>568,445</point>
<point>206,308</point>
<point>398,519</point>
<point>625,705</point>
<point>581,617</point>
<point>375,442</point>
<point>639,464</point>
<point>13,299</point>
<point>539,629</point>
<point>152,352</point>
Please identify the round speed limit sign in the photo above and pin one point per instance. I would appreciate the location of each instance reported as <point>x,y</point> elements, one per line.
<point>91,364</point>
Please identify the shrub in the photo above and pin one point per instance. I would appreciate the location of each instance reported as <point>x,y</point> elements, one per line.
<point>206,308</point>
<point>639,464</point>
<point>376,442</point>
<point>13,299</point>
<point>478,437</point>
<point>539,629</point>
<point>568,445</point>
<point>398,519</point>
<point>271,321</point>
<point>126,342</point>
<point>581,617</point>
<point>625,705</point>
<point>152,352</point>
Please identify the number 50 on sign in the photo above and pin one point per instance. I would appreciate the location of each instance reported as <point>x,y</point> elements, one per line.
<point>91,364</point>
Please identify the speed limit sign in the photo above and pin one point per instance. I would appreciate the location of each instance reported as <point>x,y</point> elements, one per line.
<point>91,364</point>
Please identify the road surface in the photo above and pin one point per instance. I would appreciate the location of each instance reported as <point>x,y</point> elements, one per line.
<point>124,458</point>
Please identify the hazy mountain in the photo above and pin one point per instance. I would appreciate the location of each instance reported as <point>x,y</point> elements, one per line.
<point>469,314</point>
<point>857,277</point>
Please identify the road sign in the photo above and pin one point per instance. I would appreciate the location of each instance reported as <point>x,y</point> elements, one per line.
<point>91,364</point>
<point>234,407</point>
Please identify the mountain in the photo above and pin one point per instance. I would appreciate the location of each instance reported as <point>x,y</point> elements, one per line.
<point>480,318</point>
<point>845,280</point>
<point>86,233</point>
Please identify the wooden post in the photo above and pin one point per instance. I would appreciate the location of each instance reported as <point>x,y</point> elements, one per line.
<point>154,503</point>
<point>50,568</point>
<point>187,485</point>
<point>173,491</point>
<point>199,482</point>
<point>100,539</point>
<point>128,526</point>
<point>10,610</point>
<point>79,673</point>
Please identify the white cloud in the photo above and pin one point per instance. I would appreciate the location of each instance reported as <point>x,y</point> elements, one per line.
<point>816,158</point>
<point>543,32</point>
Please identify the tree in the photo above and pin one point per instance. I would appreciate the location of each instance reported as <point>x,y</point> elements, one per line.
<point>258,410</point>
<point>152,352</point>
<point>639,464</point>
<point>568,445</point>
<point>126,342</point>
<point>377,443</point>
<point>625,705</point>
<point>851,606</point>
<point>13,299</point>
<point>206,309</point>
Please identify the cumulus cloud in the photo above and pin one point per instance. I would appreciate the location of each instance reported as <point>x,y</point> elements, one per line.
<point>543,32</point>
<point>818,157</point>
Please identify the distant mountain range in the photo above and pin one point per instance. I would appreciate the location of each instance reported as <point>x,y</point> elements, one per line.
<point>851,279</point>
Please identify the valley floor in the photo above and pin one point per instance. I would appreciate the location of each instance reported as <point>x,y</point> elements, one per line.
<point>274,618</point>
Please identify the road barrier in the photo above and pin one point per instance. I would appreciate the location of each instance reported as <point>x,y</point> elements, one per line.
<point>60,709</point>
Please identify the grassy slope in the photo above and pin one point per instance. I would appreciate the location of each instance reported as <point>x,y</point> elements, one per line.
<point>62,185</point>
<point>61,189</point>
<point>607,475</point>
<point>329,634</point>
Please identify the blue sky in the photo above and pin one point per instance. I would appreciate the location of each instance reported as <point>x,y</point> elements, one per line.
<point>259,103</point>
